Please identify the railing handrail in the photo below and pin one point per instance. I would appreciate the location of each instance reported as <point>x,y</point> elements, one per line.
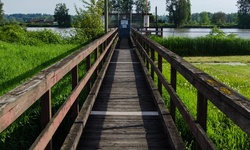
<point>156,30</point>
<point>231,103</point>
<point>18,100</point>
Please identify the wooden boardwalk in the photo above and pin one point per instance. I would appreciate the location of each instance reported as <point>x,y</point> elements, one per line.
<point>124,115</point>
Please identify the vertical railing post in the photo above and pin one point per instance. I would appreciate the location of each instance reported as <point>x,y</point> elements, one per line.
<point>202,110</point>
<point>144,46</point>
<point>96,56</point>
<point>46,113</point>
<point>75,106</point>
<point>141,51</point>
<point>153,59</point>
<point>161,32</point>
<point>105,46</point>
<point>173,84</point>
<point>160,68</point>
<point>201,113</point>
<point>88,65</point>
<point>147,63</point>
<point>102,50</point>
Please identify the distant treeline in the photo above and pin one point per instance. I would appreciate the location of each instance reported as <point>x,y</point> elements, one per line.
<point>203,19</point>
<point>36,19</point>
<point>22,18</point>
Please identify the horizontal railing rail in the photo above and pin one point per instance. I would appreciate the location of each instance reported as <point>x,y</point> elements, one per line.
<point>231,103</point>
<point>20,99</point>
<point>151,31</point>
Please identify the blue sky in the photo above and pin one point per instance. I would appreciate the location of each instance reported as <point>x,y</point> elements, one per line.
<point>48,6</point>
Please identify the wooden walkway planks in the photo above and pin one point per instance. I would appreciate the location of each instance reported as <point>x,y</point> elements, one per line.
<point>124,91</point>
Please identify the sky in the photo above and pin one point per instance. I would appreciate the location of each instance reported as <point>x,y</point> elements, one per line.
<point>48,6</point>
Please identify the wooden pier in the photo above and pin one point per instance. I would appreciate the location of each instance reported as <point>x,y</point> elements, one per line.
<point>124,115</point>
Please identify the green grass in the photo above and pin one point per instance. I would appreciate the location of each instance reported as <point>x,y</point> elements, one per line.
<point>20,62</point>
<point>221,59</point>
<point>234,76</point>
<point>221,130</point>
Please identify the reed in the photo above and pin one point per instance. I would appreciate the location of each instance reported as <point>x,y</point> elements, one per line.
<point>206,46</point>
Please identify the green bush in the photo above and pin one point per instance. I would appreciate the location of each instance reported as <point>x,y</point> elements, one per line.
<point>45,36</point>
<point>14,33</point>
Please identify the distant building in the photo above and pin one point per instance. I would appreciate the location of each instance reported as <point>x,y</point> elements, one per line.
<point>43,22</point>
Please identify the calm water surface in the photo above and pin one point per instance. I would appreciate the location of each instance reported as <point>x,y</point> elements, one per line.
<point>192,32</point>
<point>61,31</point>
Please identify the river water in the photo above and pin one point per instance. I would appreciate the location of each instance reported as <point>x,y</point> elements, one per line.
<point>62,31</point>
<point>189,32</point>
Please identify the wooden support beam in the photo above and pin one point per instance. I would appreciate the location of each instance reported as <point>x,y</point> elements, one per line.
<point>75,107</point>
<point>46,113</point>
<point>173,84</point>
<point>153,59</point>
<point>160,68</point>
<point>88,65</point>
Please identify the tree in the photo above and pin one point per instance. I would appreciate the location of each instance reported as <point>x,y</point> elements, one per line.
<point>179,11</point>
<point>61,15</point>
<point>244,13</point>
<point>88,23</point>
<point>1,12</point>
<point>232,18</point>
<point>122,6</point>
<point>127,6</point>
<point>140,6</point>
<point>115,5</point>
<point>219,18</point>
<point>204,18</point>
<point>188,10</point>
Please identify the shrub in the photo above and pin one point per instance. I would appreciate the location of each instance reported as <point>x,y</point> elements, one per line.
<point>14,33</point>
<point>45,36</point>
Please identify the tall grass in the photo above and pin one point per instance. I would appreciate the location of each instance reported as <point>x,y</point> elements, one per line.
<point>205,46</point>
<point>19,62</point>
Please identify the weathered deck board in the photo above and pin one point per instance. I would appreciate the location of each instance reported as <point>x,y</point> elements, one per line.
<point>124,89</point>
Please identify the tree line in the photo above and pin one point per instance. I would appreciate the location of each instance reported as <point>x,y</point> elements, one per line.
<point>218,19</point>
<point>179,13</point>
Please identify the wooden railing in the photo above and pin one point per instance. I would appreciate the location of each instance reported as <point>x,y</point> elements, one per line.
<point>17,101</point>
<point>151,30</point>
<point>234,105</point>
